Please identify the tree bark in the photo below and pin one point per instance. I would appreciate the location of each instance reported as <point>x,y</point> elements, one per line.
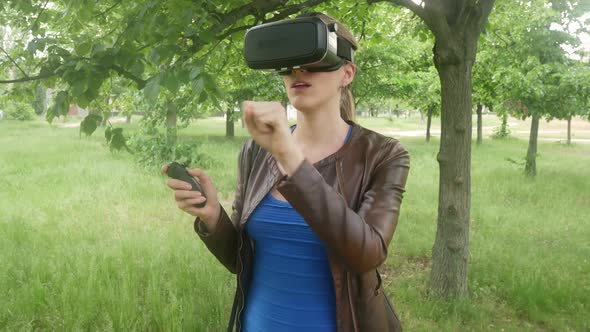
<point>171,120</point>
<point>531,155</point>
<point>229,122</point>
<point>569,130</point>
<point>450,253</point>
<point>479,124</point>
<point>428,122</point>
<point>504,128</point>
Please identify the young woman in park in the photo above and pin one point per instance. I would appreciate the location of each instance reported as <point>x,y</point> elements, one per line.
<point>315,209</point>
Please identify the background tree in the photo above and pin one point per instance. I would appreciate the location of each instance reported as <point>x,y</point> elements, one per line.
<point>456,25</point>
<point>534,63</point>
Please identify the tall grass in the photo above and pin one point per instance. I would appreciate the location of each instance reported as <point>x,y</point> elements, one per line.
<point>91,241</point>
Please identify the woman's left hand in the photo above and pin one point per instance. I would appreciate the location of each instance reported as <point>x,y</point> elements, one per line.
<point>268,125</point>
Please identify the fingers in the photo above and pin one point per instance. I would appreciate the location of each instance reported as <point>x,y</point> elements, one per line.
<point>178,184</point>
<point>184,194</point>
<point>262,116</point>
<point>188,203</point>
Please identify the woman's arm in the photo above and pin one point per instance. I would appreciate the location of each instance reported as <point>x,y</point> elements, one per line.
<point>223,241</point>
<point>360,239</point>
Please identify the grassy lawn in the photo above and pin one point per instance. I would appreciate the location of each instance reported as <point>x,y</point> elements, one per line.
<point>92,241</point>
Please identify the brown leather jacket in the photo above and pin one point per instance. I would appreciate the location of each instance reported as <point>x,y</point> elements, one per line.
<point>350,199</point>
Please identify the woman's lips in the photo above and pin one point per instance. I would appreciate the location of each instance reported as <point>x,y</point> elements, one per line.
<point>300,85</point>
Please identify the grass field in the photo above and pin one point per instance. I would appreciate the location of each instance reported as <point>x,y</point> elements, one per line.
<point>91,241</point>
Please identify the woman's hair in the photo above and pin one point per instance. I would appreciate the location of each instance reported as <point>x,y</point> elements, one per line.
<point>347,109</point>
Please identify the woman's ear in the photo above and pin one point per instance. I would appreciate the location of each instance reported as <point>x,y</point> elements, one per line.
<point>349,72</point>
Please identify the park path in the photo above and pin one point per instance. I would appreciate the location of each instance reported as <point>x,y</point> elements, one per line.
<point>545,134</point>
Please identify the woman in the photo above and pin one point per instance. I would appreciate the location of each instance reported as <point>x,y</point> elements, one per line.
<point>315,209</point>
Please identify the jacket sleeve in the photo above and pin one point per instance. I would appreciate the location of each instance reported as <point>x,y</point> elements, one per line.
<point>223,241</point>
<point>359,239</point>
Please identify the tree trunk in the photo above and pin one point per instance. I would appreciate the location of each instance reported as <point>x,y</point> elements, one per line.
<point>504,128</point>
<point>569,130</point>
<point>479,124</point>
<point>229,122</point>
<point>171,119</point>
<point>428,122</point>
<point>128,119</point>
<point>531,155</point>
<point>450,253</point>
<point>105,119</point>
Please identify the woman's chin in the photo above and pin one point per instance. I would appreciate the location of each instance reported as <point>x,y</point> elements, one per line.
<point>302,105</point>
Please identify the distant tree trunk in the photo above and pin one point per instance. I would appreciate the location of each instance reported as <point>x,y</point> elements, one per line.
<point>40,102</point>
<point>105,118</point>
<point>479,124</point>
<point>569,130</point>
<point>428,122</point>
<point>504,128</point>
<point>128,119</point>
<point>171,119</point>
<point>531,155</point>
<point>229,122</point>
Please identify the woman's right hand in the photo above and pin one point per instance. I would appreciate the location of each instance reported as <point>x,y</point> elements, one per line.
<point>186,199</point>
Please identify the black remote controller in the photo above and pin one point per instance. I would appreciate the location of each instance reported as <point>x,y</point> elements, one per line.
<point>179,172</point>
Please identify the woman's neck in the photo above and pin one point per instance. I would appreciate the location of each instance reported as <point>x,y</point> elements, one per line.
<point>320,130</point>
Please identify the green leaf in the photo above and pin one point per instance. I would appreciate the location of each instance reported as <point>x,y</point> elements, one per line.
<point>60,107</point>
<point>203,97</point>
<point>207,36</point>
<point>170,82</point>
<point>152,90</point>
<point>82,49</point>
<point>32,47</point>
<point>97,48</point>
<point>89,124</point>
<point>107,60</point>
<point>195,72</point>
<point>197,86</point>
<point>137,68</point>
<point>117,141</point>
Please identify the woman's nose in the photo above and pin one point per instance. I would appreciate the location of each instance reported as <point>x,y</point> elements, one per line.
<point>299,71</point>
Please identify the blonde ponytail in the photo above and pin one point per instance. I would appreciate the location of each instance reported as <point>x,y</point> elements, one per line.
<point>347,109</point>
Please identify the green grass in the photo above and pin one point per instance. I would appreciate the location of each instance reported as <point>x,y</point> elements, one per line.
<point>91,241</point>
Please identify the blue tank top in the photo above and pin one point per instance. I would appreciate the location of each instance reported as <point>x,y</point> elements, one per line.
<point>291,288</point>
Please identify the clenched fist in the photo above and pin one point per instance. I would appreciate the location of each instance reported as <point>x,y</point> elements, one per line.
<point>268,126</point>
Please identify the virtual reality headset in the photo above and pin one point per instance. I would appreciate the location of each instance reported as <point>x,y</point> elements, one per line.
<point>303,42</point>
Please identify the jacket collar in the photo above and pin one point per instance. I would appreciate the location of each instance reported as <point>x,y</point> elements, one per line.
<point>355,133</point>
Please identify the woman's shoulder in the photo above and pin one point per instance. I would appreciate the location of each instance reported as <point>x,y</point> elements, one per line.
<point>371,139</point>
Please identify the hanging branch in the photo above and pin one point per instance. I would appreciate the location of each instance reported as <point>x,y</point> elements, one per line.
<point>107,10</point>
<point>14,62</point>
<point>41,12</point>
<point>29,78</point>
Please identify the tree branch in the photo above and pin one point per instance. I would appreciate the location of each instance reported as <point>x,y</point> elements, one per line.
<point>14,62</point>
<point>41,12</point>
<point>140,82</point>
<point>438,20</point>
<point>485,7</point>
<point>414,7</point>
<point>29,78</point>
<point>108,9</point>
<point>289,10</point>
